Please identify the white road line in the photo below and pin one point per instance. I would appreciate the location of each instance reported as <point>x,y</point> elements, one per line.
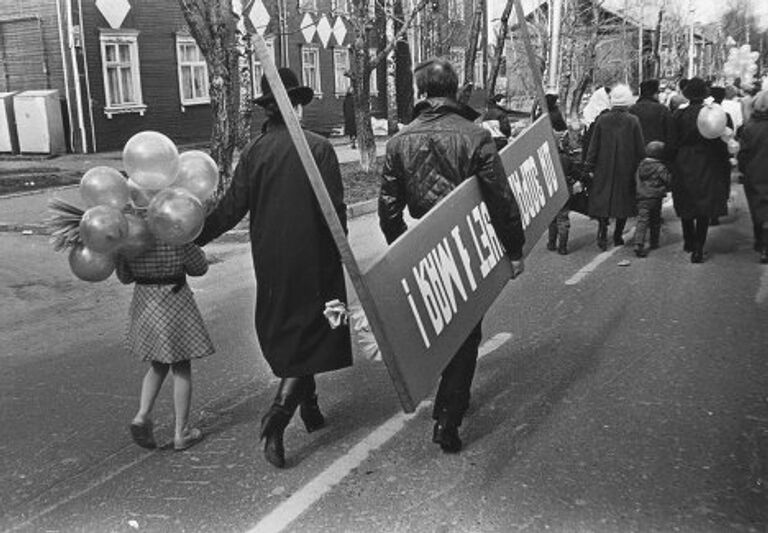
<point>597,261</point>
<point>288,511</point>
<point>762,291</point>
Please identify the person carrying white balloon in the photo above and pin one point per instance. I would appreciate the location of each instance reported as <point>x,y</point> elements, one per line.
<point>166,330</point>
<point>700,164</point>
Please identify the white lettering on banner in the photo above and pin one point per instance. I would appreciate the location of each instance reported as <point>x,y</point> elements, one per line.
<point>548,168</point>
<point>415,313</point>
<point>527,190</point>
<point>517,189</point>
<point>449,273</point>
<point>464,255</point>
<point>427,296</point>
<point>438,289</point>
<point>498,250</point>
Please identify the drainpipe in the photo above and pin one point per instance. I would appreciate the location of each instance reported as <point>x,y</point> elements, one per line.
<point>87,76</point>
<point>76,76</point>
<point>62,48</point>
<point>555,17</point>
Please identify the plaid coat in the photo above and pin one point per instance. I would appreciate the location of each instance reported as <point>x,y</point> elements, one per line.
<point>165,324</point>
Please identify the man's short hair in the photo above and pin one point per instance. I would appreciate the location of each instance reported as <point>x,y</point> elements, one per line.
<point>649,87</point>
<point>436,78</point>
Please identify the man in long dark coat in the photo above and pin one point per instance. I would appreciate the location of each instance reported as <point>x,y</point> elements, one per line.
<point>700,165</point>
<point>615,150</point>
<point>297,265</point>
<point>655,118</point>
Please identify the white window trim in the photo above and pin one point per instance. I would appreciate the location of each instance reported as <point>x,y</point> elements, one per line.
<point>319,89</point>
<point>303,9</point>
<point>256,80</point>
<point>336,10</point>
<point>479,81</point>
<point>456,10</point>
<point>340,91</point>
<point>185,39</point>
<point>109,36</point>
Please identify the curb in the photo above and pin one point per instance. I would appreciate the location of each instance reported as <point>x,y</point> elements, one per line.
<point>238,235</point>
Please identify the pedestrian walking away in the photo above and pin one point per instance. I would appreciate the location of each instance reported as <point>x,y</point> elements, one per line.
<point>559,227</point>
<point>298,268</point>
<point>698,172</point>
<point>753,162</point>
<point>350,124</point>
<point>653,179</point>
<point>655,118</point>
<point>615,149</point>
<point>424,162</point>
<point>165,329</point>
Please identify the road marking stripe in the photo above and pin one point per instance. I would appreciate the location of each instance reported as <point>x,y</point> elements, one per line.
<point>288,511</point>
<point>762,291</point>
<point>597,261</point>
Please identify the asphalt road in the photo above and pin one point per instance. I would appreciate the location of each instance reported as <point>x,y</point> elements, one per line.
<point>608,398</point>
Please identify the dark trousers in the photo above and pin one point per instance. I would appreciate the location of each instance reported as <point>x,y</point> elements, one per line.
<point>648,217</point>
<point>452,399</point>
<point>695,232</point>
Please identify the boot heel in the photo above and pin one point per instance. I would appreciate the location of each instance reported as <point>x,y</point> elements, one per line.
<point>272,428</point>
<point>311,415</point>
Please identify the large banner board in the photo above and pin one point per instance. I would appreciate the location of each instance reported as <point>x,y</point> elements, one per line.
<point>435,283</point>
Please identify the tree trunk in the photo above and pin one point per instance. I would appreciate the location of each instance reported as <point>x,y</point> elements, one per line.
<point>656,72</point>
<point>213,26</point>
<point>589,68</point>
<point>391,80</point>
<point>471,53</point>
<point>498,51</point>
<point>361,94</point>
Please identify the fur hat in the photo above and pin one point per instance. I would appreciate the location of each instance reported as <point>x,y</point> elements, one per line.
<point>696,89</point>
<point>297,93</point>
<point>649,87</point>
<point>621,96</point>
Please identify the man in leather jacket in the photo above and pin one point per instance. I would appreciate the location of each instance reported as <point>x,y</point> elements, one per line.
<point>424,162</point>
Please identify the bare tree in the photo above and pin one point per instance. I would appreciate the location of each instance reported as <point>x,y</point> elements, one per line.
<point>214,28</point>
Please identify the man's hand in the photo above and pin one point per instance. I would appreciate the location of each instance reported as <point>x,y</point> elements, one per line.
<point>517,268</point>
<point>578,187</point>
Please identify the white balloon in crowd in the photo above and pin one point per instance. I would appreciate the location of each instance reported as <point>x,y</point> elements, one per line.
<point>104,186</point>
<point>151,160</point>
<point>711,121</point>
<point>175,216</point>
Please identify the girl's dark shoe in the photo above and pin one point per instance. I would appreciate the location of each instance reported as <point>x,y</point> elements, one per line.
<point>311,415</point>
<point>142,435</point>
<point>697,256</point>
<point>551,246</point>
<point>640,251</point>
<point>618,241</point>
<point>764,256</point>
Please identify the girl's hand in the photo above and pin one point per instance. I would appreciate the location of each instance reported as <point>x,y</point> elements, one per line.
<point>578,187</point>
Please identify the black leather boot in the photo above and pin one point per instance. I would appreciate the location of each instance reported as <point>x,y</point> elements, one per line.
<point>618,232</point>
<point>562,245</point>
<point>654,240</point>
<point>602,234</point>
<point>552,241</point>
<point>308,409</point>
<point>446,433</point>
<point>764,245</point>
<point>274,422</point>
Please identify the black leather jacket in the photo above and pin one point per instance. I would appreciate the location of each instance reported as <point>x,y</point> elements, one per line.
<point>428,158</point>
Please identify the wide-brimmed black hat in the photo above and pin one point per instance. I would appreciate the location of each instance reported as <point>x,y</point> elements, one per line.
<point>696,89</point>
<point>299,94</point>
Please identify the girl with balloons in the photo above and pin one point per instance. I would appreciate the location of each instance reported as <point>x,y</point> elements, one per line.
<point>143,227</point>
<point>700,165</point>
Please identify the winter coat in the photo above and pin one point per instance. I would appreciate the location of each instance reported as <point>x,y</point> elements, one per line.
<point>753,162</point>
<point>615,150</point>
<point>655,119</point>
<point>701,171</point>
<point>433,154</point>
<point>653,179</point>
<point>297,264</point>
<point>494,112</point>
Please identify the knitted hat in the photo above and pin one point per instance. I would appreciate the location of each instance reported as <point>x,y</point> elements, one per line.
<point>696,89</point>
<point>621,96</point>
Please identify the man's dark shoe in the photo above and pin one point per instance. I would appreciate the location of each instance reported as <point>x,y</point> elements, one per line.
<point>640,251</point>
<point>551,246</point>
<point>447,436</point>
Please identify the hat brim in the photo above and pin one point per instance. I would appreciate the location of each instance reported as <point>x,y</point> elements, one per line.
<point>301,95</point>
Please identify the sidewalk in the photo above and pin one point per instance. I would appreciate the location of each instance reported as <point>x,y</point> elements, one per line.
<point>27,211</point>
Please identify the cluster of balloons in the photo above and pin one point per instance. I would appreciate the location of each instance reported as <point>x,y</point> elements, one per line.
<point>741,63</point>
<point>167,188</point>
<point>712,123</point>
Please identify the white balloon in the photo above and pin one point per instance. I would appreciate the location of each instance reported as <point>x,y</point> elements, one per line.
<point>151,160</point>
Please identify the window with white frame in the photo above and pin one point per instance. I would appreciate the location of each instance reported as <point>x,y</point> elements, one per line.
<point>372,9</point>
<point>310,67</point>
<point>257,70</point>
<point>456,57</point>
<point>340,6</point>
<point>340,70</point>
<point>456,10</point>
<point>120,69</point>
<point>308,5</point>
<point>374,79</point>
<point>193,72</point>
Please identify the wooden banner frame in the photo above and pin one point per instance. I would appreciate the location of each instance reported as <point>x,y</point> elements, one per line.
<point>329,213</point>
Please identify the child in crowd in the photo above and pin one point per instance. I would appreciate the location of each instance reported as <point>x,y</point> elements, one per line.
<point>561,224</point>
<point>653,179</point>
<point>166,330</point>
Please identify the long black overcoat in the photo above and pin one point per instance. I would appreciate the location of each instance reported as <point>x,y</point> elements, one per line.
<point>296,262</point>
<point>615,150</point>
<point>701,170</point>
<point>753,162</point>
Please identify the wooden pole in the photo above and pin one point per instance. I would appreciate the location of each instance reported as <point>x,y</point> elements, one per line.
<point>532,63</point>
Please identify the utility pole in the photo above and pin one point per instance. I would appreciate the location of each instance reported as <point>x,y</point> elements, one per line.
<point>554,58</point>
<point>640,45</point>
<point>691,11</point>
